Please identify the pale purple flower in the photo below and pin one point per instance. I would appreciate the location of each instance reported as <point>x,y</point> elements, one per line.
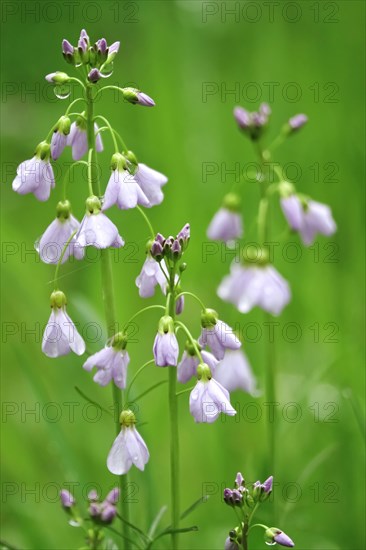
<point>208,399</point>
<point>113,496</point>
<point>54,239</point>
<point>308,219</point>
<point>248,286</point>
<point>239,479</point>
<point>166,349</point>
<point>123,190</point>
<point>151,182</point>
<point>108,513</point>
<point>94,75</point>
<point>111,364</point>
<point>234,372</point>
<point>187,367</point>
<point>128,448</point>
<point>60,336</point>
<point>283,539</point>
<point>242,117</point>
<point>230,545</point>
<point>145,100</point>
<point>113,48</point>
<point>67,500</point>
<point>150,276</point>
<point>35,176</point>
<point>298,121</point>
<point>78,140</point>
<point>218,338</point>
<point>67,48</point>
<point>226,226</point>
<point>58,144</point>
<point>98,230</point>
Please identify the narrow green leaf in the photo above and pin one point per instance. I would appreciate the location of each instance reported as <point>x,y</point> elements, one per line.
<point>170,531</point>
<point>156,521</point>
<point>82,394</point>
<point>148,390</point>
<point>193,506</point>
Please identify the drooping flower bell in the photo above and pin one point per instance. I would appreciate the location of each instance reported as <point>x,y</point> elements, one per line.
<point>78,139</point>
<point>128,448</point>
<point>150,276</point>
<point>36,174</point>
<point>53,241</point>
<point>209,399</point>
<point>308,217</point>
<point>255,283</point>
<point>234,372</point>
<point>166,348</point>
<point>123,189</point>
<point>96,229</point>
<point>227,224</point>
<point>60,336</point>
<point>59,137</point>
<point>111,362</point>
<point>187,367</point>
<point>151,181</point>
<point>216,334</point>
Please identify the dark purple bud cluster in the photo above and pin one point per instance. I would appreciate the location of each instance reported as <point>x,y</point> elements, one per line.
<point>97,58</point>
<point>262,491</point>
<point>171,248</point>
<point>253,124</point>
<point>105,511</point>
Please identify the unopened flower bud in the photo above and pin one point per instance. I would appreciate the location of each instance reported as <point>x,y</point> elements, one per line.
<point>94,509</point>
<point>135,97</point>
<point>93,495</point>
<point>57,78</point>
<point>112,52</point>
<point>108,514</point>
<point>68,52</point>
<point>184,235</point>
<point>274,535</point>
<point>156,251</point>
<point>94,75</point>
<point>113,496</point>
<point>67,500</point>
<point>176,250</point>
<point>296,122</point>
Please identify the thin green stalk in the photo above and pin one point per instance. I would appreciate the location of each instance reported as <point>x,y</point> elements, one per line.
<point>270,364</point>
<point>174,436</point>
<point>148,223</point>
<point>107,123</point>
<point>108,297</point>
<point>193,296</point>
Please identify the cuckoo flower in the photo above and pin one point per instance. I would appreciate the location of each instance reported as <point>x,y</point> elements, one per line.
<point>60,335</point>
<point>234,372</point>
<point>150,181</point>
<point>308,217</point>
<point>250,285</point>
<point>150,276</point>
<point>78,140</point>
<point>36,174</point>
<point>187,367</point>
<point>262,491</point>
<point>96,229</point>
<point>123,189</point>
<point>128,447</point>
<point>227,224</point>
<point>59,137</point>
<point>254,123</point>
<point>273,535</point>
<point>105,511</point>
<point>216,334</point>
<point>67,500</point>
<point>166,347</point>
<point>136,97</point>
<point>208,398</point>
<point>59,234</point>
<point>111,363</point>
<point>296,122</point>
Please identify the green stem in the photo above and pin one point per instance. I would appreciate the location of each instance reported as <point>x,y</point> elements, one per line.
<point>72,104</point>
<point>191,339</point>
<point>107,123</point>
<point>155,306</point>
<point>174,435</point>
<point>151,362</point>
<point>270,365</point>
<point>55,280</point>
<point>65,180</point>
<point>148,223</point>
<point>108,298</point>
<point>193,296</point>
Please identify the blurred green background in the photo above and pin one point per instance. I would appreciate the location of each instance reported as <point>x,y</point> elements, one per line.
<point>188,55</point>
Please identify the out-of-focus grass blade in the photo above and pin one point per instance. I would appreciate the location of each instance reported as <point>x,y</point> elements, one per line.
<point>193,506</point>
